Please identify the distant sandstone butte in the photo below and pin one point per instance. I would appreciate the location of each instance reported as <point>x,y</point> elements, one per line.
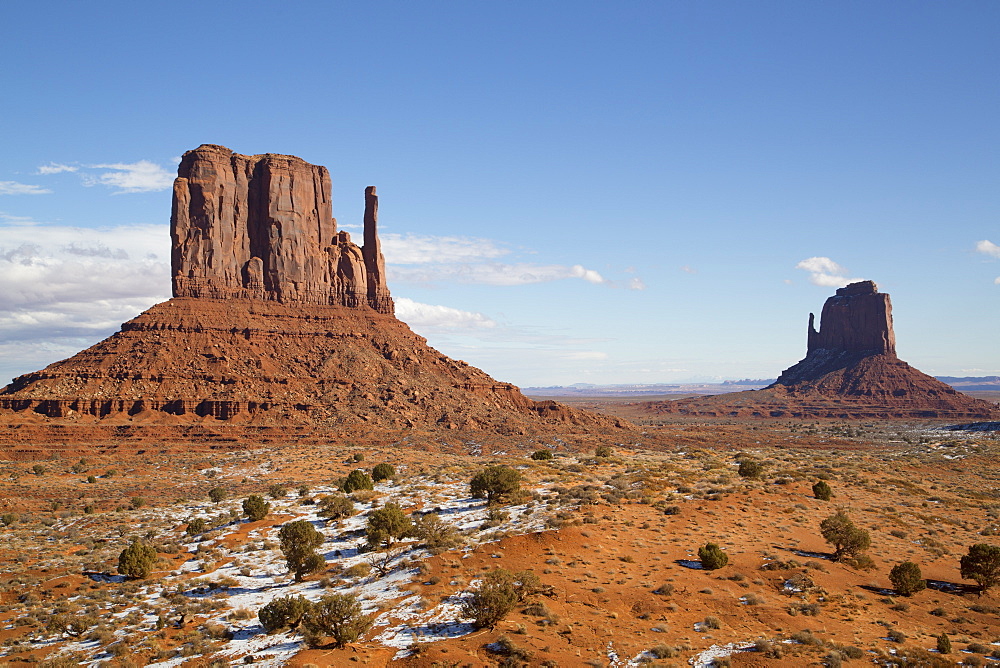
<point>262,227</point>
<point>277,318</point>
<point>850,371</point>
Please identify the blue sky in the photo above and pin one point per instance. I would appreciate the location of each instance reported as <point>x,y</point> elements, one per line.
<point>569,191</point>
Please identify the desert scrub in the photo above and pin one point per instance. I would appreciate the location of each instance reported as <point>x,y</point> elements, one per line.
<point>712,557</point>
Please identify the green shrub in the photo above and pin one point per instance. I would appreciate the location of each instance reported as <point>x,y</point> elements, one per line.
<point>943,643</point>
<point>906,578</point>
<point>712,557</point>
<point>436,534</point>
<point>137,560</point>
<point>383,471</point>
<point>603,451</point>
<point>358,457</point>
<point>750,468</point>
<point>982,564</point>
<point>847,539</point>
<point>495,483</point>
<point>822,491</point>
<point>217,494</point>
<point>255,507</point>
<point>357,479</point>
<point>387,524</point>
<point>196,525</point>
<point>541,455</point>
<point>277,491</point>
<point>38,469</point>
<point>338,616</point>
<point>137,502</point>
<point>336,506</point>
<point>91,479</point>
<point>299,540</point>
<point>493,600</point>
<point>8,518</point>
<point>286,611</point>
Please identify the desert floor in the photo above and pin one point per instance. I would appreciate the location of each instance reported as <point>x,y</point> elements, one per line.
<point>613,539</point>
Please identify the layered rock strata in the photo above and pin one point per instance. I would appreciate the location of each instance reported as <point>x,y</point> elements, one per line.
<point>277,318</point>
<point>262,227</point>
<point>850,371</point>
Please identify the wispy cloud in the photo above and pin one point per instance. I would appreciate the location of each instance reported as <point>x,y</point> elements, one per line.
<point>430,260</point>
<point>423,249</point>
<point>825,272</point>
<point>136,177</point>
<point>987,247</point>
<point>426,319</point>
<point>493,273</point>
<point>56,168</point>
<point>63,288</point>
<point>15,188</point>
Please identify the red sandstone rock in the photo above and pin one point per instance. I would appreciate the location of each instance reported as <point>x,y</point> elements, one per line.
<point>261,227</point>
<point>850,371</point>
<point>277,318</point>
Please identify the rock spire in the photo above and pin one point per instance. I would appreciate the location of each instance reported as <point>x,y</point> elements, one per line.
<point>261,227</point>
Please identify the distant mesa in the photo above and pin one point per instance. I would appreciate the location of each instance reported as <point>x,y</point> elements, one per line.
<point>277,317</point>
<point>850,371</point>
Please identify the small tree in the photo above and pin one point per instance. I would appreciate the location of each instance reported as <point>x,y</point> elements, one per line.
<point>541,455</point>
<point>847,539</point>
<point>906,578</point>
<point>137,560</point>
<point>436,534</point>
<point>286,611</point>
<point>255,507</point>
<point>496,597</point>
<point>750,468</point>
<point>299,540</point>
<point>277,491</point>
<point>217,494</point>
<point>336,506</point>
<point>338,616</point>
<point>196,525</point>
<point>494,483</point>
<point>943,643</point>
<point>357,479</point>
<point>387,524</point>
<point>822,491</point>
<point>383,471</point>
<point>712,557</point>
<point>982,564</point>
<point>358,457</point>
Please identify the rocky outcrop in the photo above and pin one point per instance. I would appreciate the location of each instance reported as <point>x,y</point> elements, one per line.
<point>856,323</point>
<point>262,227</point>
<point>850,371</point>
<point>277,319</point>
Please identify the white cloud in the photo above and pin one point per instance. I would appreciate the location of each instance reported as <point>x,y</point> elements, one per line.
<point>988,248</point>
<point>493,273</point>
<point>996,281</point>
<point>420,249</point>
<point>687,269</point>
<point>56,168</point>
<point>136,177</point>
<point>825,272</point>
<point>58,281</point>
<point>15,188</point>
<point>425,318</point>
<point>636,284</point>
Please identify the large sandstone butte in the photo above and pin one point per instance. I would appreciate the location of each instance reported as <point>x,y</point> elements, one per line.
<point>850,371</point>
<point>277,318</point>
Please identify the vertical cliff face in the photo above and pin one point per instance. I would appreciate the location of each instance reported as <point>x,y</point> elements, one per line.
<point>856,324</point>
<point>856,320</point>
<point>261,227</point>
